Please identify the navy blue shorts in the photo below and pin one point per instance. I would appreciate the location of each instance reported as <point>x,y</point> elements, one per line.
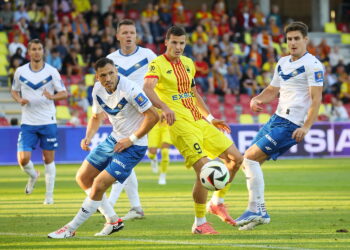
<point>119,165</point>
<point>30,135</point>
<point>275,137</point>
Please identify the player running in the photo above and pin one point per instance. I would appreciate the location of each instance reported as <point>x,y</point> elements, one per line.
<point>132,116</point>
<point>34,87</point>
<point>169,83</point>
<point>298,79</point>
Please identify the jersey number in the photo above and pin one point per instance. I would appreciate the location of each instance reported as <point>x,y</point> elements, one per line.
<point>197,148</point>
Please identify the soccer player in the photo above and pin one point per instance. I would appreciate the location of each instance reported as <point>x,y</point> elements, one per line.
<point>131,61</point>
<point>132,116</point>
<point>298,81</point>
<point>169,83</point>
<point>36,86</point>
<point>159,137</point>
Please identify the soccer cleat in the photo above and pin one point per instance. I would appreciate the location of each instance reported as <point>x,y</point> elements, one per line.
<point>265,219</point>
<point>134,214</point>
<point>110,228</point>
<point>154,165</point>
<point>205,228</point>
<point>48,200</point>
<point>162,179</point>
<point>61,233</point>
<point>220,210</point>
<point>247,217</point>
<point>31,183</point>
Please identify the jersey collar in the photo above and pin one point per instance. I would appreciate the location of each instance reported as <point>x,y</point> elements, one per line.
<point>120,52</point>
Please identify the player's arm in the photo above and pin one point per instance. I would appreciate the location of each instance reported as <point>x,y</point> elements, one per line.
<point>17,97</point>
<point>267,95</point>
<point>148,87</point>
<point>151,118</point>
<point>316,98</point>
<point>203,108</point>
<point>58,96</point>
<point>91,129</point>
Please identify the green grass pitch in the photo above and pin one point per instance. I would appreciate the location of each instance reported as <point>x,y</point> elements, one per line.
<point>308,201</point>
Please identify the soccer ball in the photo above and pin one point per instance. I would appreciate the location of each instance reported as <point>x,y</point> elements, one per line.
<point>214,175</point>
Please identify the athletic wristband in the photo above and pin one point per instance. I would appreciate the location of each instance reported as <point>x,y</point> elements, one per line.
<point>210,118</point>
<point>133,138</point>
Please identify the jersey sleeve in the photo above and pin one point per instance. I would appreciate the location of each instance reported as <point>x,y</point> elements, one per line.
<point>96,108</point>
<point>315,73</point>
<point>138,99</point>
<point>153,70</point>
<point>275,79</point>
<point>57,81</point>
<point>16,85</point>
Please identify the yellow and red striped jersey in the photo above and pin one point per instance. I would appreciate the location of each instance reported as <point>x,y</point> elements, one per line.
<point>174,87</point>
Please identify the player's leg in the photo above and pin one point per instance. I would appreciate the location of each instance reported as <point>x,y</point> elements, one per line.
<point>153,145</point>
<point>152,155</point>
<point>232,158</point>
<point>49,143</point>
<point>164,163</point>
<point>27,140</point>
<point>131,189</point>
<point>187,137</point>
<point>115,192</point>
<point>50,175</point>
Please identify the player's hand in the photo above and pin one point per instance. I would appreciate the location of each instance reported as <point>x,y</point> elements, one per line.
<point>23,102</point>
<point>220,124</point>
<point>47,95</point>
<point>256,105</point>
<point>84,144</point>
<point>168,115</point>
<point>122,144</point>
<point>299,134</point>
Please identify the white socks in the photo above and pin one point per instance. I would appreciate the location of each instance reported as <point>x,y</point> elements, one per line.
<point>88,208</point>
<point>200,221</point>
<point>131,188</point>
<point>216,200</point>
<point>29,169</point>
<point>105,208</point>
<point>50,175</point>
<point>255,184</point>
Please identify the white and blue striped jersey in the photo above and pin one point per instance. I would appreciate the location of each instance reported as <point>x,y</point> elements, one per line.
<point>133,66</point>
<point>294,79</point>
<point>31,84</point>
<point>124,108</point>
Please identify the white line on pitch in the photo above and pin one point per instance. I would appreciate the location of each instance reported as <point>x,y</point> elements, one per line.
<point>169,242</point>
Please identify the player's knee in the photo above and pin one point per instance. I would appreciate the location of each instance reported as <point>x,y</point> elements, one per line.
<point>22,161</point>
<point>97,190</point>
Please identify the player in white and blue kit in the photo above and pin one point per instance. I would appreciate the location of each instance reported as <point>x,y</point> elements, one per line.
<point>298,79</point>
<point>36,86</point>
<point>132,116</point>
<point>132,62</point>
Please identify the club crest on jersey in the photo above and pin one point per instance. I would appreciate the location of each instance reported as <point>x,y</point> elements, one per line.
<point>187,68</point>
<point>295,73</point>
<point>152,68</point>
<point>141,99</point>
<point>319,76</point>
<point>169,71</point>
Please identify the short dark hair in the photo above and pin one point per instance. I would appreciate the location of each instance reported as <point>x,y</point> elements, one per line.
<point>125,22</point>
<point>103,62</point>
<point>297,26</point>
<point>36,41</point>
<point>176,31</point>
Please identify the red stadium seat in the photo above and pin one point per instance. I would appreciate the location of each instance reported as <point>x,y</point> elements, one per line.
<point>327,98</point>
<point>4,121</point>
<point>230,99</point>
<point>212,100</point>
<point>151,46</point>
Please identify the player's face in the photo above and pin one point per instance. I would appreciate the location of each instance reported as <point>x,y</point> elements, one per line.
<point>127,36</point>
<point>296,44</point>
<point>107,76</point>
<point>36,52</point>
<point>175,46</point>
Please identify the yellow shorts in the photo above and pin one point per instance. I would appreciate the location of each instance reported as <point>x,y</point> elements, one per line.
<point>158,135</point>
<point>197,139</point>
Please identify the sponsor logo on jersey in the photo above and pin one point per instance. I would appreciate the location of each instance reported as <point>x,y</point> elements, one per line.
<point>169,71</point>
<point>117,172</point>
<point>268,148</point>
<point>187,68</point>
<point>182,96</point>
<point>319,76</point>
<point>141,99</point>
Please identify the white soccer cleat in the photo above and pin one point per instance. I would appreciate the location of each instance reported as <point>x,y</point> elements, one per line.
<point>162,179</point>
<point>110,228</point>
<point>61,233</point>
<point>48,200</point>
<point>133,214</point>
<point>31,183</point>
<point>154,165</point>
